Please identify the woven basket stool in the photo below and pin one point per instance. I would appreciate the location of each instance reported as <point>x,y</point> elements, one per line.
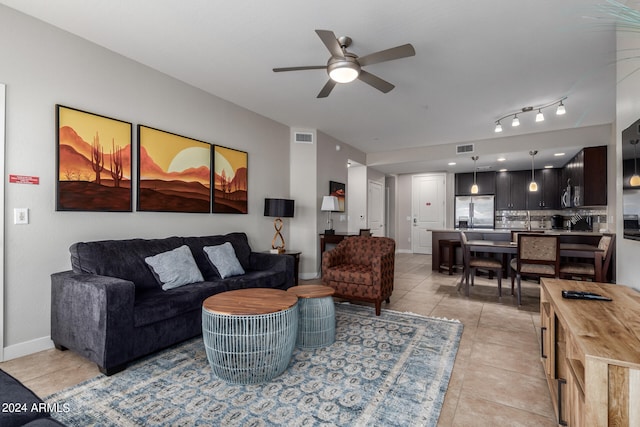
<point>317,319</point>
<point>249,334</point>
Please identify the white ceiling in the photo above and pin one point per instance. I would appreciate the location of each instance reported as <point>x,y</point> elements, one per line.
<point>475,61</point>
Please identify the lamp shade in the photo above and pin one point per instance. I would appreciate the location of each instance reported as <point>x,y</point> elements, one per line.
<point>330,203</point>
<point>281,208</point>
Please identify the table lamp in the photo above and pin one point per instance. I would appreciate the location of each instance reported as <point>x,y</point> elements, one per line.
<point>330,204</point>
<point>278,208</point>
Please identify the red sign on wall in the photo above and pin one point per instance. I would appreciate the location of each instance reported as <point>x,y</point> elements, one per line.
<point>24,179</point>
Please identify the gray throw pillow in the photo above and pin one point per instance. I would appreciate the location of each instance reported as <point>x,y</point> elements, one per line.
<point>224,259</point>
<point>175,268</point>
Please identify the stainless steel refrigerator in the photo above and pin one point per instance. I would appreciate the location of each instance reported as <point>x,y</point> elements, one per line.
<point>477,211</point>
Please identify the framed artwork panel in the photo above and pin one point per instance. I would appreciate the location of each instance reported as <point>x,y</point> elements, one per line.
<point>230,188</point>
<point>93,162</point>
<point>174,172</point>
<point>338,189</point>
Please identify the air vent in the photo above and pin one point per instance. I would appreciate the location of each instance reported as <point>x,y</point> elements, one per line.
<point>464,149</point>
<point>303,137</point>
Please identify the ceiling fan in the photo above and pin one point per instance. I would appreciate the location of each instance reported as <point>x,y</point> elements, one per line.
<point>345,67</point>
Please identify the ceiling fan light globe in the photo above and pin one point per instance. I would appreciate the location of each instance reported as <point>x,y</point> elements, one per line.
<point>343,74</point>
<point>343,70</point>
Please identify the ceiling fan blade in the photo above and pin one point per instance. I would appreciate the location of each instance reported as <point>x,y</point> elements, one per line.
<point>387,55</point>
<point>310,67</point>
<point>331,42</point>
<point>326,90</point>
<point>375,81</point>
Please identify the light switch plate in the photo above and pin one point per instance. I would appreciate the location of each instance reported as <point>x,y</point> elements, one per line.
<point>21,216</point>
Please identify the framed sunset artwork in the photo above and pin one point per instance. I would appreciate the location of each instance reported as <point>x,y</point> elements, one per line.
<point>174,172</point>
<point>93,162</point>
<point>230,180</point>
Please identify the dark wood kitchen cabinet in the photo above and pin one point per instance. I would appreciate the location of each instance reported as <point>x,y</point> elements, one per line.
<point>588,174</point>
<point>511,190</point>
<point>548,194</point>
<point>486,183</point>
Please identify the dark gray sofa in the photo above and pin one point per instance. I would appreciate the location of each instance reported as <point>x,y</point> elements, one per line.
<point>21,406</point>
<point>111,309</point>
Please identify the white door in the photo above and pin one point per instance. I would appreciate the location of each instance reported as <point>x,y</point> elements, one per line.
<point>375,208</point>
<point>428,210</point>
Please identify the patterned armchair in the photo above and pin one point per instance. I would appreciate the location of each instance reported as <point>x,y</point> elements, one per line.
<point>361,268</point>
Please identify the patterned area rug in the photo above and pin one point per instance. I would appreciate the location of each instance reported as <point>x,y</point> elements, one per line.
<point>381,371</point>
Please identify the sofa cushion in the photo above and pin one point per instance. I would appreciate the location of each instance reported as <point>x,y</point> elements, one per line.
<point>123,259</point>
<point>175,268</point>
<point>257,279</point>
<point>240,245</point>
<point>224,259</point>
<point>13,392</point>
<point>157,305</point>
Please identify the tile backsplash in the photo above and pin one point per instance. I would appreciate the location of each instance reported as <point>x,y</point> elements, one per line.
<point>541,219</point>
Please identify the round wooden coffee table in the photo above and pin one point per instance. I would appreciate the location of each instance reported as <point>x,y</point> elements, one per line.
<point>249,334</point>
<point>317,324</point>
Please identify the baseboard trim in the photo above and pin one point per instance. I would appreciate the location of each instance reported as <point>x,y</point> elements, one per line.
<point>26,348</point>
<point>404,251</point>
<point>308,276</point>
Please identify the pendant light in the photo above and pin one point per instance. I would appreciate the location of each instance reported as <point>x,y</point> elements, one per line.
<point>533,186</point>
<point>474,187</point>
<point>635,179</point>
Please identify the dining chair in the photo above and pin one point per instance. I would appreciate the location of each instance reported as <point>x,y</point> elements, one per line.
<point>586,270</point>
<point>472,263</point>
<point>538,255</point>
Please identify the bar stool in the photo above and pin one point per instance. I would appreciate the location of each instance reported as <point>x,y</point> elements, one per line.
<point>448,245</point>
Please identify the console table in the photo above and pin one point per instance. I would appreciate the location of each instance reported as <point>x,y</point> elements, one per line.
<point>589,351</point>
<point>333,239</point>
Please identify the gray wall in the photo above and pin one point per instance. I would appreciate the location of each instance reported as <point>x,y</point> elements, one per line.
<point>43,66</point>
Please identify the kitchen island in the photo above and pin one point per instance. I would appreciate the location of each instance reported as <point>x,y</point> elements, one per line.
<point>566,236</point>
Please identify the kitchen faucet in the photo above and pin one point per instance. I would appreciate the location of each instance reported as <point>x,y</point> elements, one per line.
<point>527,223</point>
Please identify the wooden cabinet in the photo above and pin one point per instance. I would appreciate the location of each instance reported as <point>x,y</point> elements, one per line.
<point>589,351</point>
<point>486,183</point>
<point>588,174</point>
<point>511,190</point>
<point>548,194</point>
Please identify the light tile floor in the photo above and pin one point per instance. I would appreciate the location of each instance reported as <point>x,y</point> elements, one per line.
<point>497,379</point>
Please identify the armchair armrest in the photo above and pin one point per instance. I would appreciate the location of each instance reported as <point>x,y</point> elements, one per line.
<point>335,256</point>
<point>93,315</point>
<point>382,268</point>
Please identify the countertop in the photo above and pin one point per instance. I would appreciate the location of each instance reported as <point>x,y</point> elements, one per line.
<point>504,230</point>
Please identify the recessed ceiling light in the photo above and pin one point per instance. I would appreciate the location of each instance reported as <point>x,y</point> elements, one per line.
<point>451,163</point>
<point>501,159</point>
<point>548,167</point>
<point>559,154</point>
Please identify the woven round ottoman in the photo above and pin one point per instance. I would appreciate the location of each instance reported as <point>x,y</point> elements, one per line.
<point>317,324</point>
<point>249,334</point>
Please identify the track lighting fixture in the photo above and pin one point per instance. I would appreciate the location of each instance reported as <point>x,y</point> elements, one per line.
<point>539,115</point>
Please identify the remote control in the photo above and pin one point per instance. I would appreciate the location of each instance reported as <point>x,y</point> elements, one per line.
<point>584,295</point>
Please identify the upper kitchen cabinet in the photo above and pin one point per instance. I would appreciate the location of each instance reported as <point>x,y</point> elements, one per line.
<point>486,183</point>
<point>511,190</point>
<point>586,175</point>
<point>548,195</point>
